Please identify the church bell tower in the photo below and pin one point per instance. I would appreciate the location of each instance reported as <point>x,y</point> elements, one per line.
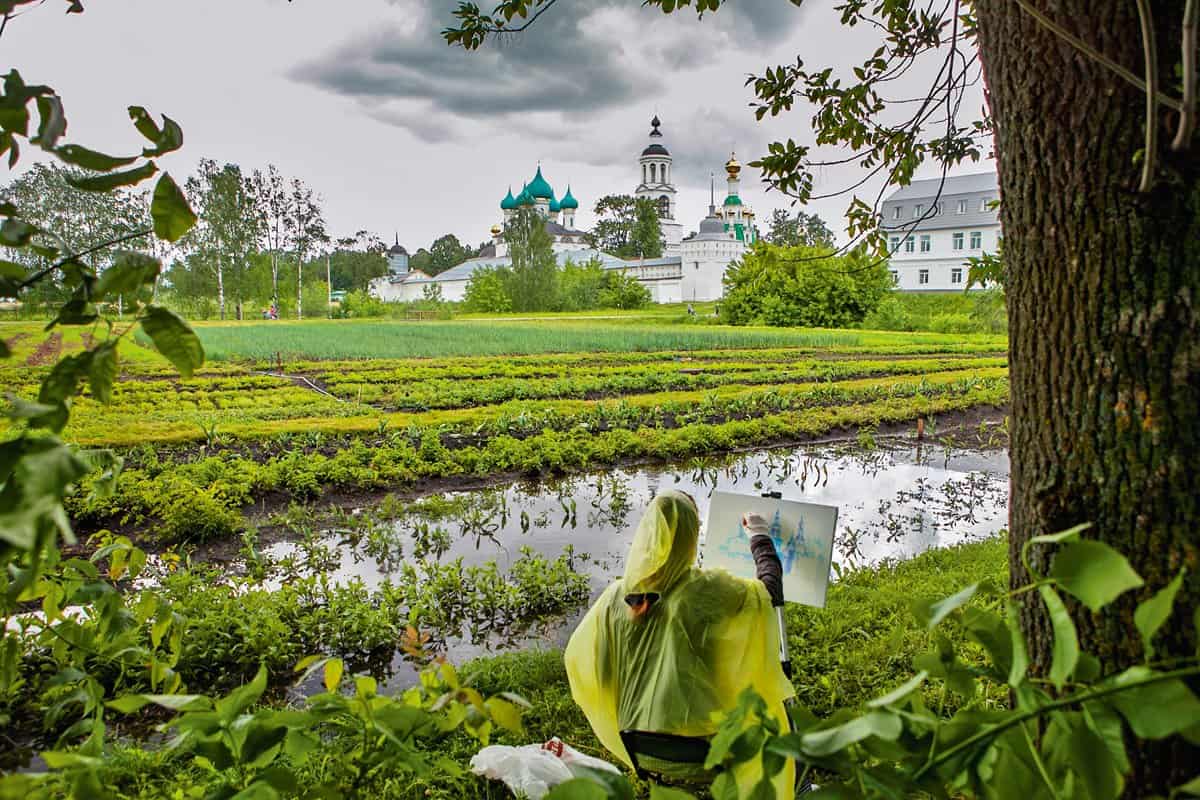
<point>658,186</point>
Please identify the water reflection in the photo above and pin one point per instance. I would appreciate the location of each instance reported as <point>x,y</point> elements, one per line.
<point>894,503</point>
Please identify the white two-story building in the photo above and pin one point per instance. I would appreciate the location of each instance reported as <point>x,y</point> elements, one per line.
<point>931,234</point>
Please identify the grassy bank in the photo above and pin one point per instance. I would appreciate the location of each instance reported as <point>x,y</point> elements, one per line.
<point>861,645</point>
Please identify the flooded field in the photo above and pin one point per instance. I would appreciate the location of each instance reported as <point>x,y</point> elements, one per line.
<point>894,502</point>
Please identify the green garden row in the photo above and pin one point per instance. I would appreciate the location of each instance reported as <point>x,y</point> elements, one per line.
<point>446,394</point>
<point>311,425</point>
<point>203,498</point>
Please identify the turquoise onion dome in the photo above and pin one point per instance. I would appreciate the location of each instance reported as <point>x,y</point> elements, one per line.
<point>569,201</point>
<point>733,200</point>
<point>509,202</point>
<point>524,199</point>
<point>539,188</point>
<point>555,206</point>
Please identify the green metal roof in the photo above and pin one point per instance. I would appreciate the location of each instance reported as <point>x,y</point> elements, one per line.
<point>569,200</point>
<point>509,202</point>
<point>733,200</point>
<point>540,188</point>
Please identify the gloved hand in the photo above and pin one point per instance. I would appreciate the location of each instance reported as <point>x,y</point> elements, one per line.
<point>755,524</point>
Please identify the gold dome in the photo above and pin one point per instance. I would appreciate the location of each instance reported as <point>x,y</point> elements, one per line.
<point>497,230</point>
<point>732,166</point>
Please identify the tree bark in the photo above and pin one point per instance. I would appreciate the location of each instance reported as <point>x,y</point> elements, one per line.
<point>299,286</point>
<point>220,290</point>
<point>1104,339</point>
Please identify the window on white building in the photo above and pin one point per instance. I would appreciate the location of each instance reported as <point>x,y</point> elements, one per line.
<point>962,206</point>
<point>923,277</point>
<point>976,240</point>
<point>941,209</point>
<point>958,240</point>
<point>985,205</point>
<point>909,244</point>
<point>926,243</point>
<point>897,212</point>
<point>895,276</point>
<point>654,173</point>
<point>894,245</point>
<point>956,275</point>
<point>918,210</point>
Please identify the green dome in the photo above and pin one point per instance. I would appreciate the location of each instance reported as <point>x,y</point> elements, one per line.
<point>524,198</point>
<point>509,202</point>
<point>539,188</point>
<point>569,200</point>
<point>733,200</point>
<point>554,206</point>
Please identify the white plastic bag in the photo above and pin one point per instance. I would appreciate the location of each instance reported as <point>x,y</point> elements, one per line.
<point>533,770</point>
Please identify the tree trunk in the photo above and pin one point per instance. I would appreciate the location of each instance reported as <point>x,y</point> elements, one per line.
<point>220,290</point>
<point>274,278</point>
<point>1103,287</point>
<point>299,286</point>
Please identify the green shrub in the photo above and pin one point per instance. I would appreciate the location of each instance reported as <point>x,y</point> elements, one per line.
<point>803,286</point>
<point>952,323</point>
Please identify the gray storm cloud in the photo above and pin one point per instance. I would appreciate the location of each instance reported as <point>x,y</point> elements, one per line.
<point>588,57</point>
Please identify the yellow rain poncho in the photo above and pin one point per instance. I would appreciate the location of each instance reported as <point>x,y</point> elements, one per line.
<point>709,636</point>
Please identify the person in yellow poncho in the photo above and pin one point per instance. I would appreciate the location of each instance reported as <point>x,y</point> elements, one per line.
<point>669,647</point>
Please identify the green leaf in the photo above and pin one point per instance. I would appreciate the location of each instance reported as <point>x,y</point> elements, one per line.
<point>578,789</point>
<point>724,787</point>
<point>1093,572</point>
<point>174,339</point>
<point>129,272</point>
<point>173,217</point>
<point>333,674</point>
<point>1090,760</point>
<point>505,714</point>
<point>103,371</point>
<point>114,180</point>
<point>875,723</point>
<point>1151,614</point>
<point>16,233</point>
<point>1192,788</point>
<point>1155,710</point>
<point>1066,640</point>
<point>900,692</point>
<point>1069,535</point>
<point>668,793</point>
<point>174,702</point>
<point>165,139</point>
<point>64,378</point>
<point>262,743</point>
<point>52,122</point>
<point>241,698</point>
<point>930,614</point>
<point>90,159</point>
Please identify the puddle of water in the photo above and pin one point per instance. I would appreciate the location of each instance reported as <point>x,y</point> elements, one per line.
<point>894,503</point>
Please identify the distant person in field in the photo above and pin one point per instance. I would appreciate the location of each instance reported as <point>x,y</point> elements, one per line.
<point>668,646</point>
<point>691,311</point>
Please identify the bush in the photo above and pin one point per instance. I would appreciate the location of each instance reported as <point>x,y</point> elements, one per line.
<point>623,291</point>
<point>952,323</point>
<point>487,292</point>
<point>359,304</point>
<point>802,286</point>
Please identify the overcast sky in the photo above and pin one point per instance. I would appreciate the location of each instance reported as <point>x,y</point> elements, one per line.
<point>401,134</point>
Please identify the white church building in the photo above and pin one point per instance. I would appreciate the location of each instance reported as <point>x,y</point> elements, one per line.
<point>691,269</point>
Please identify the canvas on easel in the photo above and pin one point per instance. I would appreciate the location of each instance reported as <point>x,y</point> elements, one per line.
<point>802,533</point>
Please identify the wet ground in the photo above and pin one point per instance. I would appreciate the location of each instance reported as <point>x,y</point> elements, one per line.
<point>894,502</point>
